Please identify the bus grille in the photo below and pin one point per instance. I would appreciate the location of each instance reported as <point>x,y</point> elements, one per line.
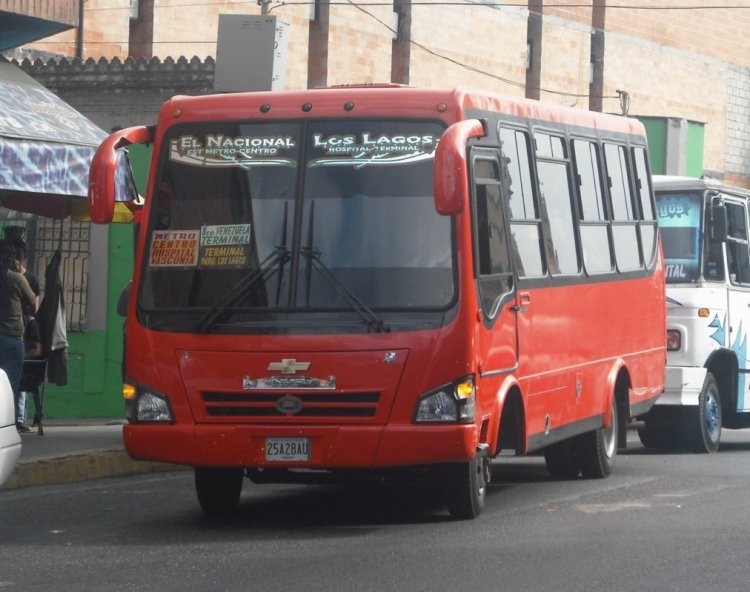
<point>357,405</point>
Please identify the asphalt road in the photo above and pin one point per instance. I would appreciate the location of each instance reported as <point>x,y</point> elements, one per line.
<point>662,522</point>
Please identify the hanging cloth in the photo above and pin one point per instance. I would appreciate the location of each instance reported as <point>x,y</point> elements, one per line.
<point>52,320</point>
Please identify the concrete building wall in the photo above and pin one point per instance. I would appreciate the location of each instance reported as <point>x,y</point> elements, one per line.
<point>360,44</point>
<point>661,81</point>
<point>60,11</point>
<point>105,31</point>
<point>719,33</point>
<point>483,48</point>
<point>737,158</point>
<point>566,62</point>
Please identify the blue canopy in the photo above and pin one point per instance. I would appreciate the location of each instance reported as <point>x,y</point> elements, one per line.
<point>46,147</point>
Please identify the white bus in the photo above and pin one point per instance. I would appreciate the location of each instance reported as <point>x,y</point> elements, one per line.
<point>704,230</point>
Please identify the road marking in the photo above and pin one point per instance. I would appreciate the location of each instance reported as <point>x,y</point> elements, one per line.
<point>613,507</point>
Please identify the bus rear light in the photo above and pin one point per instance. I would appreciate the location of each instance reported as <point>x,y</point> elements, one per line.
<point>454,402</point>
<point>674,340</point>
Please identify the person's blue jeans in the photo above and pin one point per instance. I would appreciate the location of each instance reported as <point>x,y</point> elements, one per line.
<point>11,360</point>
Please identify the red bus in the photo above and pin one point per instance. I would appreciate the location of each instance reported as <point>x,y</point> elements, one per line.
<point>387,280</point>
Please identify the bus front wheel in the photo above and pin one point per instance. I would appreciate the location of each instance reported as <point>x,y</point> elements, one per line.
<point>218,489</point>
<point>465,486</point>
<point>702,424</point>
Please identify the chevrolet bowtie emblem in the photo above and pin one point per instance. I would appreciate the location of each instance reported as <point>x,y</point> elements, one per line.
<point>288,366</point>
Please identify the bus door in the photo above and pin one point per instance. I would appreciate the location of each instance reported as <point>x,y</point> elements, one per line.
<point>738,305</point>
<point>493,266</point>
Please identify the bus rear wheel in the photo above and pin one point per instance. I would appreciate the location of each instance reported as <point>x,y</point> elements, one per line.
<point>702,425</point>
<point>596,451</point>
<point>465,487</point>
<point>218,489</point>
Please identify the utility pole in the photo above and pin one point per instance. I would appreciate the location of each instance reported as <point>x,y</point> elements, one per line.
<point>264,6</point>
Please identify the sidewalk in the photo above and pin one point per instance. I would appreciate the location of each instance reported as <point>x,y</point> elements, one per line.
<point>75,450</point>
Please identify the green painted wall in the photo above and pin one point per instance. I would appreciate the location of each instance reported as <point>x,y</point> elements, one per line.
<point>656,132</point>
<point>94,386</point>
<point>691,145</point>
<point>695,144</point>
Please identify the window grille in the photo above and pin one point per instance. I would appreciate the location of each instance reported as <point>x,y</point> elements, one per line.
<point>44,236</point>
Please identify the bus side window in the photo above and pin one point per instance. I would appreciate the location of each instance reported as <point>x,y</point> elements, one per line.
<point>594,224</point>
<point>647,224</point>
<point>738,256</point>
<point>494,269</point>
<point>525,223</point>
<point>624,224</point>
<point>556,204</point>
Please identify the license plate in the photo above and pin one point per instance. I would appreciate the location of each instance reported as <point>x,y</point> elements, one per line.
<point>287,449</point>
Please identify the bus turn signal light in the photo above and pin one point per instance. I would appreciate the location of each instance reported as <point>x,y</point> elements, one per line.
<point>128,392</point>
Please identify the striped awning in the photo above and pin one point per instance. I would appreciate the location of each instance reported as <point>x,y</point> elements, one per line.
<point>46,147</point>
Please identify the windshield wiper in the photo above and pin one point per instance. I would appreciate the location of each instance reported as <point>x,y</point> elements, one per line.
<point>374,322</point>
<point>265,270</point>
<point>312,256</point>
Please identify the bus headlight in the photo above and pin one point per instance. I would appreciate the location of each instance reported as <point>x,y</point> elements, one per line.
<point>453,402</point>
<point>145,405</point>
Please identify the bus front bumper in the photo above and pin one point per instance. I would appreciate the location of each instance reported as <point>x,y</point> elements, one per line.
<point>682,386</point>
<point>330,447</point>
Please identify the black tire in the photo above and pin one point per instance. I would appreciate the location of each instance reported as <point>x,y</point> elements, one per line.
<point>561,460</point>
<point>702,425</point>
<point>465,487</point>
<point>218,489</point>
<point>596,451</point>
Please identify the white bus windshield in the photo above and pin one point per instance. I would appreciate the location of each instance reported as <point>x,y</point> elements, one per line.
<point>680,217</point>
<point>297,216</point>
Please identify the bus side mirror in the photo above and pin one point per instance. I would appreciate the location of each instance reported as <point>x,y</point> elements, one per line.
<point>717,223</point>
<point>451,167</point>
<point>110,177</point>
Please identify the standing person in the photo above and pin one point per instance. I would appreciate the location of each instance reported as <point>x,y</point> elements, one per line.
<point>16,297</point>
<point>32,375</point>
<point>15,234</point>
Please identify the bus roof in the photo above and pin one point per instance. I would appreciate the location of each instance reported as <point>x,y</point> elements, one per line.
<point>377,100</point>
<point>678,183</point>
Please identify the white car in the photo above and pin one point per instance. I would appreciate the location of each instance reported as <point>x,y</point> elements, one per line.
<point>10,440</point>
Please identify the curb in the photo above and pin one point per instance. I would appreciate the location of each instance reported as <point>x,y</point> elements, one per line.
<point>80,467</point>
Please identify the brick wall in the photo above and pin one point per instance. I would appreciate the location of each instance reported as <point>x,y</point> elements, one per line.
<point>717,33</point>
<point>360,44</point>
<point>482,48</point>
<point>738,125</point>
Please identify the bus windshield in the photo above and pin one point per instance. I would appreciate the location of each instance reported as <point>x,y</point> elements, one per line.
<point>680,229</point>
<point>286,218</point>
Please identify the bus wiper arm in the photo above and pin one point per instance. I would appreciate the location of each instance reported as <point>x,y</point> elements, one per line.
<point>266,269</point>
<point>374,322</point>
